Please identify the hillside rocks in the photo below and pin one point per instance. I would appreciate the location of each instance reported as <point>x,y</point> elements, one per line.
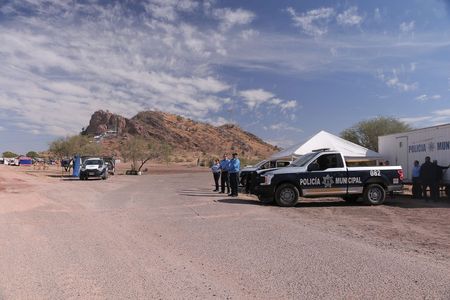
<point>183,134</point>
<point>102,121</point>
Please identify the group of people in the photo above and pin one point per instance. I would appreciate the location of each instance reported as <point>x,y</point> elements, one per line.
<point>227,171</point>
<point>427,176</point>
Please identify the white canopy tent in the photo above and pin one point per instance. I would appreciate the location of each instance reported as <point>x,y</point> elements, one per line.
<point>323,139</point>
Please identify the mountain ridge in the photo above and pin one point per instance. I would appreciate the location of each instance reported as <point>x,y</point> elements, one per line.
<point>188,138</point>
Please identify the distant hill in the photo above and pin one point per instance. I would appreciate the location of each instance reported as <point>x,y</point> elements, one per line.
<point>189,139</point>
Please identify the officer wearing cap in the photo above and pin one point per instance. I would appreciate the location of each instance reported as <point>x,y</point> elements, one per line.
<point>233,170</point>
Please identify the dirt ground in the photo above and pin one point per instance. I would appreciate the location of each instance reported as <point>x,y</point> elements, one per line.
<point>413,227</point>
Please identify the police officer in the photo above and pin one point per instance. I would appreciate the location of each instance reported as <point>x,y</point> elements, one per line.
<point>439,174</point>
<point>215,168</point>
<point>224,179</point>
<point>428,178</point>
<point>416,187</point>
<point>234,168</point>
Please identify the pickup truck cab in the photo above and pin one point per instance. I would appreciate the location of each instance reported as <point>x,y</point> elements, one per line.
<point>323,173</point>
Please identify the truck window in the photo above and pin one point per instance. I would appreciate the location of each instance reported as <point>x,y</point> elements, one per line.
<point>282,164</point>
<point>328,161</point>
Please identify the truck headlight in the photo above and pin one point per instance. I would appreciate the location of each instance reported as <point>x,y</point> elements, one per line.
<point>267,179</point>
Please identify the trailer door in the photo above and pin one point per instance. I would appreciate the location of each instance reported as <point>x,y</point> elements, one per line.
<point>401,157</point>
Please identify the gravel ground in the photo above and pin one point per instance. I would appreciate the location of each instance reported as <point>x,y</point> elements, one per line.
<point>168,236</point>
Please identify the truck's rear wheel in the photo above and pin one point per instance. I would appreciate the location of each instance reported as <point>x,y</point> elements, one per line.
<point>265,199</point>
<point>374,194</point>
<point>286,195</point>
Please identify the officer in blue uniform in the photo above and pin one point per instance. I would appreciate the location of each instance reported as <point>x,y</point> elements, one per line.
<point>234,168</point>
<point>224,179</point>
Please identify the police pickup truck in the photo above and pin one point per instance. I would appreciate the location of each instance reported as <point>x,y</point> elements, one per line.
<point>323,173</point>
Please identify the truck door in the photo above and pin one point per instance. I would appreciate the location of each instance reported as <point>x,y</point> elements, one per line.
<point>401,155</point>
<point>327,175</point>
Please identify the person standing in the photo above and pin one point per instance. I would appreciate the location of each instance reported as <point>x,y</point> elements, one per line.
<point>416,187</point>
<point>439,170</point>
<point>234,168</point>
<point>428,178</point>
<point>216,173</point>
<point>224,179</point>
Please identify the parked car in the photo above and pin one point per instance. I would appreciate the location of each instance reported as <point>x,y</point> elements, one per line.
<point>248,174</point>
<point>94,167</point>
<point>110,162</point>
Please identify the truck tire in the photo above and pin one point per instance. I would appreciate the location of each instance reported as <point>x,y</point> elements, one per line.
<point>265,199</point>
<point>287,195</point>
<point>374,194</point>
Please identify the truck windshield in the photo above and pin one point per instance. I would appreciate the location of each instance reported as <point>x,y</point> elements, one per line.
<point>93,162</point>
<point>302,161</point>
<point>261,163</point>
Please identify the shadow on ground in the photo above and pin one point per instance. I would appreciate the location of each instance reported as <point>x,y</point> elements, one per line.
<point>239,201</point>
<point>408,202</point>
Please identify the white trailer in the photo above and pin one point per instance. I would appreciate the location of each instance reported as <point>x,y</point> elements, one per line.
<point>406,147</point>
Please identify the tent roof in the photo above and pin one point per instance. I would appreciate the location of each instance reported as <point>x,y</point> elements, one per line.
<point>323,139</point>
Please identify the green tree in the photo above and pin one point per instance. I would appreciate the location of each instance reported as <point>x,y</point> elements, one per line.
<point>77,144</point>
<point>139,151</point>
<point>9,154</point>
<point>32,154</point>
<point>366,133</point>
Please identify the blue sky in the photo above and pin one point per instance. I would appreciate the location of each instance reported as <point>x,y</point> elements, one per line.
<point>283,70</point>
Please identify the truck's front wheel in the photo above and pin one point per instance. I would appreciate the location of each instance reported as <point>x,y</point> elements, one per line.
<point>286,195</point>
<point>374,194</point>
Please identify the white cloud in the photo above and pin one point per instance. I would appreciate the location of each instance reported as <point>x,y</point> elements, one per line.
<point>313,22</point>
<point>284,127</point>
<point>426,98</point>
<point>416,120</point>
<point>407,27</point>
<point>233,17</point>
<point>67,60</point>
<point>169,9</point>
<point>393,81</point>
<point>218,121</point>
<point>288,105</point>
<point>254,98</point>
<point>349,17</point>
<point>443,112</point>
<point>436,117</point>
<point>249,34</point>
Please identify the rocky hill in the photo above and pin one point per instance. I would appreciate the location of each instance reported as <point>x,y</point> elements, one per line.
<point>189,139</point>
